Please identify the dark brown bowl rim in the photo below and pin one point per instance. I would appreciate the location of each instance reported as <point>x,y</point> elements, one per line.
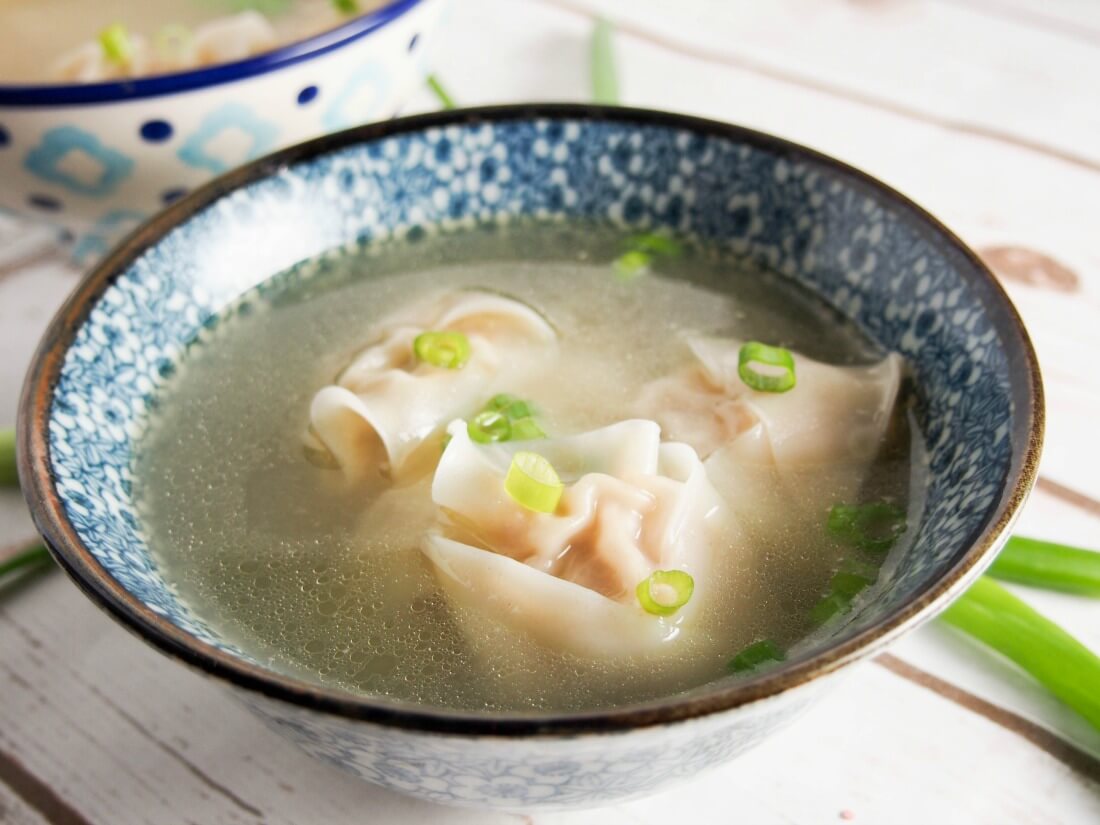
<point>60,536</point>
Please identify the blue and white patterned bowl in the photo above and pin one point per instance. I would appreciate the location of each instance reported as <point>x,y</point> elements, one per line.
<point>98,159</point>
<point>865,249</point>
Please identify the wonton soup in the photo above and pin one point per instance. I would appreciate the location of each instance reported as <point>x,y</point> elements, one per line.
<point>65,41</point>
<point>534,467</point>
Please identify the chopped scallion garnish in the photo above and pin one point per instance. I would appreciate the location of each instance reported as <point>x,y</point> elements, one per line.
<point>346,6</point>
<point>849,585</point>
<point>117,46</point>
<point>489,426</point>
<point>519,409</point>
<point>756,654</point>
<point>780,375</point>
<point>630,265</point>
<point>872,527</point>
<point>665,592</point>
<point>533,482</point>
<point>450,350</point>
<point>830,606</point>
<point>501,401</point>
<point>655,243</point>
<point>526,429</point>
<point>507,418</point>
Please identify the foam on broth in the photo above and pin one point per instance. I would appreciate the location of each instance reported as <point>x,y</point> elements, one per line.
<point>327,583</point>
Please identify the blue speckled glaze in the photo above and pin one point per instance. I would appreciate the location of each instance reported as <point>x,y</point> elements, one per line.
<point>873,257</point>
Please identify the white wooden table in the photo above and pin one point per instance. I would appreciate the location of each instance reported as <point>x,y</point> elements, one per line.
<point>985,111</point>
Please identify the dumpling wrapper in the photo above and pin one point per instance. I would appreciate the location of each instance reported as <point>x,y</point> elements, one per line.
<point>632,505</point>
<point>833,414</point>
<point>387,404</point>
<point>771,454</point>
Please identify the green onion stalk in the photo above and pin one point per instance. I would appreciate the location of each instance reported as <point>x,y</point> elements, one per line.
<point>34,556</point>
<point>605,81</point>
<point>1050,565</point>
<point>8,475</point>
<point>445,100</point>
<point>1052,656</point>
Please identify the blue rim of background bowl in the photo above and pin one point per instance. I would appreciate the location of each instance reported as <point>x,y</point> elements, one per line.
<point>49,94</point>
<point>69,550</point>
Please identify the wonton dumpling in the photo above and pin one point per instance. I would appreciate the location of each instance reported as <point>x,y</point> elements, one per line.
<point>832,415</point>
<point>780,461</point>
<point>788,455</point>
<point>386,404</point>
<point>631,506</point>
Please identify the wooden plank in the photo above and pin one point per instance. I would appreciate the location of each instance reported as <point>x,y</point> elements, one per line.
<point>1071,18</point>
<point>15,810</point>
<point>125,736</point>
<point>133,737</point>
<point>942,62</point>
<point>129,736</point>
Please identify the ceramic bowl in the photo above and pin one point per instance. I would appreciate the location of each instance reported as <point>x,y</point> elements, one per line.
<point>865,249</point>
<point>98,159</point>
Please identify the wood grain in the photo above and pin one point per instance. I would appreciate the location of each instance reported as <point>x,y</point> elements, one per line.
<point>1084,763</point>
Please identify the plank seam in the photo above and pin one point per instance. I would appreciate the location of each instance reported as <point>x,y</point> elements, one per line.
<point>1053,745</point>
<point>851,95</point>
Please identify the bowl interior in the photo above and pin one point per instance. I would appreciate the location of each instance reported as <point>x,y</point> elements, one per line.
<point>879,260</point>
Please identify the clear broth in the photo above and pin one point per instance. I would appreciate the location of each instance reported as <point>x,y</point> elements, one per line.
<point>327,583</point>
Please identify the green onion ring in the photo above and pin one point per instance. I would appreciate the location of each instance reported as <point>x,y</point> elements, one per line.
<point>450,350</point>
<point>755,352</point>
<point>665,592</point>
<point>533,482</point>
<point>489,426</point>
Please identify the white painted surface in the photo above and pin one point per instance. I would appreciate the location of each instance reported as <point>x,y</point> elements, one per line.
<point>121,735</point>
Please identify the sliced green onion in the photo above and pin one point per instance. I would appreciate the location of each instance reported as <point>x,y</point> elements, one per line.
<point>489,426</point>
<point>31,557</point>
<point>864,569</point>
<point>526,429</point>
<point>655,244</point>
<point>117,46</point>
<point>445,100</point>
<point>665,592</point>
<point>9,477</point>
<point>849,585</point>
<point>519,409</point>
<point>605,81</point>
<point>756,353</point>
<point>632,264</point>
<point>1056,659</point>
<point>450,350</point>
<point>756,654</point>
<point>346,6</point>
<point>1047,564</point>
<point>832,605</point>
<point>501,401</point>
<point>873,527</point>
<point>532,482</point>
